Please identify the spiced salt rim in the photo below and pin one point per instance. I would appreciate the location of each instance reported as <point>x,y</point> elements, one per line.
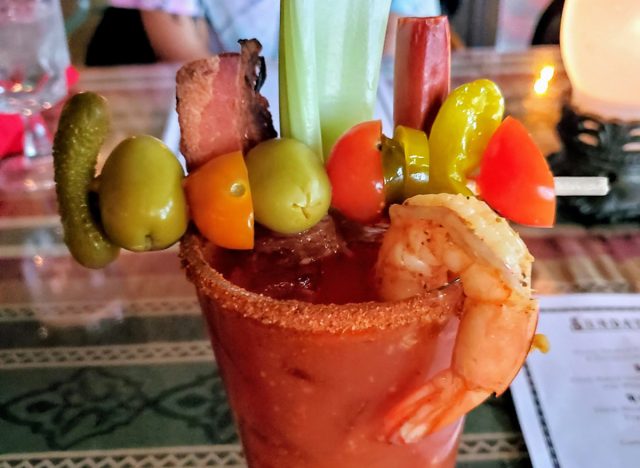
<point>433,307</point>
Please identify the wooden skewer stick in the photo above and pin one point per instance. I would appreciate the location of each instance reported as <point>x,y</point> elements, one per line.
<point>581,186</point>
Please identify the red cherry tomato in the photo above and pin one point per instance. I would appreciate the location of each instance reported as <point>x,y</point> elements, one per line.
<point>356,174</point>
<point>515,179</point>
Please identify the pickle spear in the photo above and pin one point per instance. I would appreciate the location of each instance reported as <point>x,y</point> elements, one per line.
<point>82,128</point>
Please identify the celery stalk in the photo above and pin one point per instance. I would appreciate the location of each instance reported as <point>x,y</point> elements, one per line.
<point>330,54</point>
<point>299,115</point>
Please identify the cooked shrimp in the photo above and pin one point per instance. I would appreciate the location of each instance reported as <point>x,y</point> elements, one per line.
<point>431,239</point>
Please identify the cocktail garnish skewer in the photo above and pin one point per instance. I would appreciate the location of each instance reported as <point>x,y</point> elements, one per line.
<point>581,186</point>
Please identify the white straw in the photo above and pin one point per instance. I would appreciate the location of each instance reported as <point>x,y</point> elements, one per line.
<point>581,186</point>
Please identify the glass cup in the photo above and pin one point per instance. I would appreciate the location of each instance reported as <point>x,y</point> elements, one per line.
<point>34,57</point>
<point>309,384</point>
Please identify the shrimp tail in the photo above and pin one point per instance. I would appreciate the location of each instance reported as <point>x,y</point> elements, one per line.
<point>435,405</point>
<point>432,237</point>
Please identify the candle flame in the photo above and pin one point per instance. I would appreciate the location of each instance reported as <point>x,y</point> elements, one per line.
<point>541,85</point>
<point>547,72</point>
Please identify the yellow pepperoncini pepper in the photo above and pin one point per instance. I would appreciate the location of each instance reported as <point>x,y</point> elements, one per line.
<point>415,146</point>
<point>460,133</point>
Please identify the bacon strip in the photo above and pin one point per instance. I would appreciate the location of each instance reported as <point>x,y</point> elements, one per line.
<point>219,107</point>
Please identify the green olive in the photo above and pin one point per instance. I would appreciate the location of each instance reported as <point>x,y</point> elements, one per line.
<point>142,204</point>
<point>289,185</point>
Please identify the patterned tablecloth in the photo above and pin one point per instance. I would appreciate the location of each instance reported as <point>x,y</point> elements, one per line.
<point>112,368</point>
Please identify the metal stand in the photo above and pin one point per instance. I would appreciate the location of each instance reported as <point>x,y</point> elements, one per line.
<point>596,147</point>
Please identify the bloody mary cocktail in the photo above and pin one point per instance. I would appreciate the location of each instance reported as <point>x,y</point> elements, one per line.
<point>310,383</point>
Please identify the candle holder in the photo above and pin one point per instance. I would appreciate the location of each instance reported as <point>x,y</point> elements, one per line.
<point>600,123</point>
<point>595,146</point>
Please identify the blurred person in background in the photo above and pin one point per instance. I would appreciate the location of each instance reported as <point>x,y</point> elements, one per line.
<point>148,31</point>
<point>524,23</point>
<point>548,28</point>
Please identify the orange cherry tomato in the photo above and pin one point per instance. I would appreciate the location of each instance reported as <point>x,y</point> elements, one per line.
<point>515,179</point>
<point>220,201</point>
<point>356,173</point>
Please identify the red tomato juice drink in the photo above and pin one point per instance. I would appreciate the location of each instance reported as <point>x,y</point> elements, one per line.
<point>310,383</point>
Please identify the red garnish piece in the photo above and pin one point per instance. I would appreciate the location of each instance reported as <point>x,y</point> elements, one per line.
<point>515,179</point>
<point>356,174</point>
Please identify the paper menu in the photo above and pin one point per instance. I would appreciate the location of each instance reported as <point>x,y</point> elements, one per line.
<point>579,405</point>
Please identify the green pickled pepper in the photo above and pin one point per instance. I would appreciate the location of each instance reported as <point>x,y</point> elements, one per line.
<point>393,170</point>
<point>460,133</point>
<point>415,146</point>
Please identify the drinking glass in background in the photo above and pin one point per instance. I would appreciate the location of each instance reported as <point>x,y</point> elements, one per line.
<point>34,57</point>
